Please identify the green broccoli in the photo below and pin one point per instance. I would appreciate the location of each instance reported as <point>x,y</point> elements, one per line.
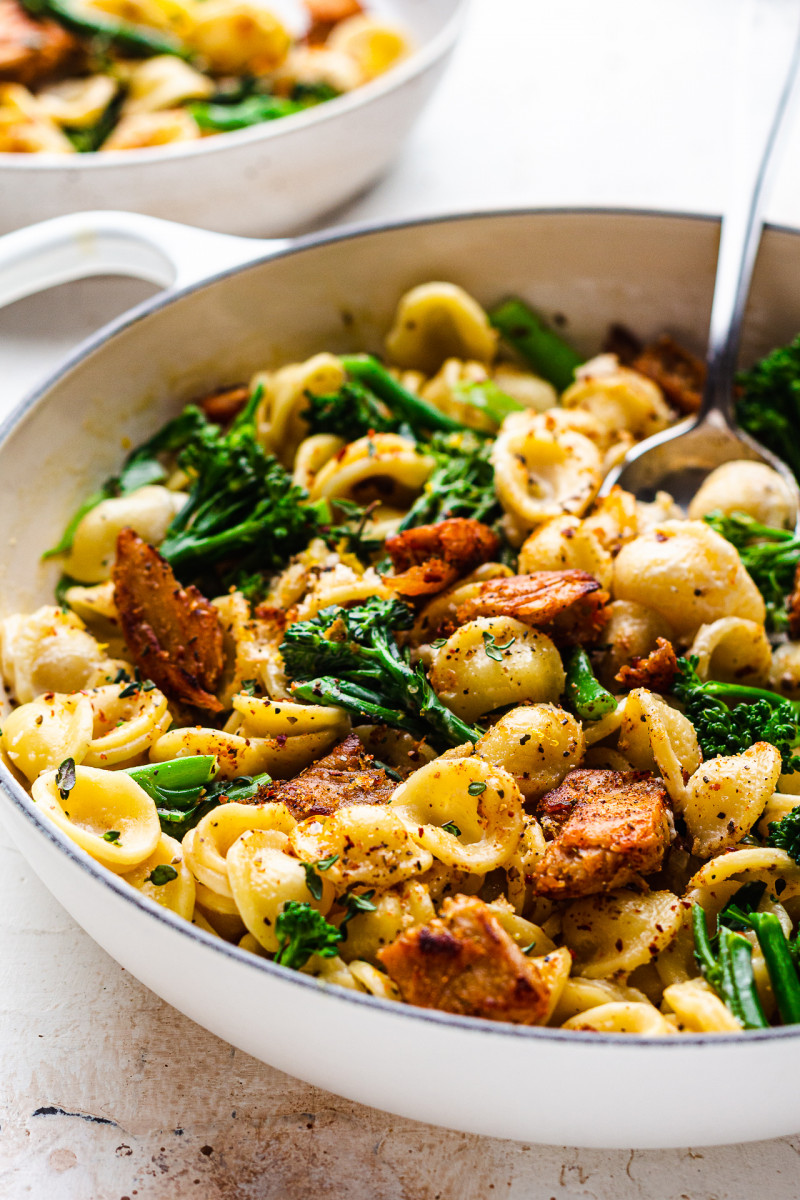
<point>770,556</point>
<point>183,790</point>
<point>726,961</point>
<point>587,698</point>
<point>420,416</point>
<point>762,716</point>
<point>351,413</point>
<point>349,657</point>
<point>301,932</point>
<point>460,485</point>
<point>242,504</point>
<point>785,834</point>
<point>543,350</point>
<point>125,36</point>
<point>741,912</point>
<point>769,406</point>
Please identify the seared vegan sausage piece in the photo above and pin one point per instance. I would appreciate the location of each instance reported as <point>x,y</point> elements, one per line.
<point>32,50</point>
<point>343,777</point>
<point>570,605</point>
<point>431,557</point>
<point>656,671</point>
<point>608,827</point>
<point>173,633</point>
<point>463,961</point>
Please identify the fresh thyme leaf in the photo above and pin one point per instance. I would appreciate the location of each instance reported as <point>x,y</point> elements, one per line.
<point>111,835</point>
<point>493,648</point>
<point>65,778</point>
<point>451,827</point>
<point>477,788</point>
<point>162,874</point>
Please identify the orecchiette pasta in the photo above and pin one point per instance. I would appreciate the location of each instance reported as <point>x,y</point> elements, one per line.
<point>542,472</point>
<point>437,321</point>
<point>687,573</point>
<point>148,511</point>
<point>496,661</point>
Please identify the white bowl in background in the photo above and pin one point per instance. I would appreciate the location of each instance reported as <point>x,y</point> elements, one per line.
<point>270,179</point>
<point>652,272</point>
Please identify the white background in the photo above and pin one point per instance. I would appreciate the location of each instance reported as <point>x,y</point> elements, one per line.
<point>633,103</point>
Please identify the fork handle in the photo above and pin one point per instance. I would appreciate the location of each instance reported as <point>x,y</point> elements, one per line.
<point>740,236</point>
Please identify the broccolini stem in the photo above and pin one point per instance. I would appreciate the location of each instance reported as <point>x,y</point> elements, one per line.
<point>738,985</point>
<point>588,699</point>
<point>719,690</point>
<point>780,967</point>
<point>703,950</point>
<point>419,414</point>
<point>357,700</point>
<point>190,773</point>
<point>125,36</point>
<point>547,353</point>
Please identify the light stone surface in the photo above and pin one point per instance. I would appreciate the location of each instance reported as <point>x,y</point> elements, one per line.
<point>106,1091</point>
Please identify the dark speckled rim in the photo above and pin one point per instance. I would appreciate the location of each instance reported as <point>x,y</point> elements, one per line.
<point>19,798</point>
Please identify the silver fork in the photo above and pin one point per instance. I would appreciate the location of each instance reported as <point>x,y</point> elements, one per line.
<point>678,459</point>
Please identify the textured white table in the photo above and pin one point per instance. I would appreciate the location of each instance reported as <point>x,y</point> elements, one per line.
<point>107,1092</point>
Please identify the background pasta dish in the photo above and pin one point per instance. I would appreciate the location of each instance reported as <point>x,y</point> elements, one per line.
<point>126,74</point>
<point>350,666</point>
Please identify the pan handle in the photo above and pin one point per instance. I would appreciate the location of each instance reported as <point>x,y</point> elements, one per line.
<point>118,243</point>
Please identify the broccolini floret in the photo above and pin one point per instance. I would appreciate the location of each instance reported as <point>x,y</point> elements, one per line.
<point>301,932</point>
<point>460,485</point>
<point>184,790</point>
<point>242,504</point>
<point>769,407</point>
<point>350,657</point>
<point>758,716</point>
<point>770,556</point>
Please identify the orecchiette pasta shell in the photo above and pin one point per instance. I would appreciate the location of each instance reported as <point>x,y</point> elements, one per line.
<point>176,894</point>
<point>580,994</point>
<point>440,612</point>
<point>124,728</point>
<point>40,735</point>
<point>373,45</point>
<point>273,718</point>
<point>370,842</point>
<point>726,796</point>
<point>382,466</point>
<point>442,393</point>
<point>622,1017</point>
<point>749,487</point>
<point>436,321</point>
<point>483,803</point>
<point>47,651</point>
<point>376,982</point>
<point>524,387</point>
<point>263,880</point>
<point>395,911</point>
<point>148,511</point>
<point>102,803</point>
<point>280,423</point>
<point>620,931</point>
<point>565,544</point>
<point>235,37</point>
<point>689,574</point>
<point>164,81</point>
<point>784,673</point>
<point>733,650</point>
<point>528,936</point>
<point>312,455</point>
<point>753,863</point>
<point>245,756</point>
<point>537,744</point>
<point>495,661</point>
<point>206,846</point>
<point>699,1009</point>
<point>655,737</point>
<point>519,868</point>
<point>618,397</point>
<point>542,472</point>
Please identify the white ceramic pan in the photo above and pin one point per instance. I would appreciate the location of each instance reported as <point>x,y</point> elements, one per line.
<point>273,178</point>
<point>652,272</point>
